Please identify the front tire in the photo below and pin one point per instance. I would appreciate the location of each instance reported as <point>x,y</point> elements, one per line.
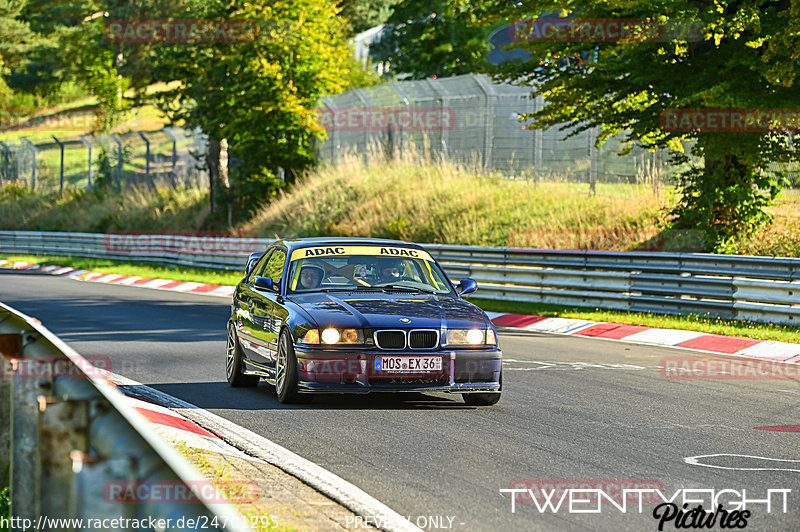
<point>286,370</point>
<point>234,364</point>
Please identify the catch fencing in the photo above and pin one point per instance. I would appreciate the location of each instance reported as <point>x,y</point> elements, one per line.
<point>760,289</point>
<point>70,435</point>
<point>165,158</point>
<point>471,120</point>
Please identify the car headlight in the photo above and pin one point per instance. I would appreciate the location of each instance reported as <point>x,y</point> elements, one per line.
<point>332,335</point>
<point>466,336</point>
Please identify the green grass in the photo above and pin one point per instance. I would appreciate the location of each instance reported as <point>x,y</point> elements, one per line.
<point>100,211</point>
<point>138,269</point>
<point>691,322</point>
<point>421,200</point>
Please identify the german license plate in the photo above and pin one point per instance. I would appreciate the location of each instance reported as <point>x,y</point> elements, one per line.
<point>406,364</point>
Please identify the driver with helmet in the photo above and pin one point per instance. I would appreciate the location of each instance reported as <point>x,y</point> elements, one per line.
<point>311,275</point>
<point>390,269</point>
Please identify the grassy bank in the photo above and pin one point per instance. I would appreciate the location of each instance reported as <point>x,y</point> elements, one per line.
<point>135,209</point>
<point>410,199</point>
<point>425,201</point>
<point>690,322</point>
<point>446,203</point>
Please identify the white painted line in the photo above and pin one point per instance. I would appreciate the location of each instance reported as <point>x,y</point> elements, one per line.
<point>63,270</point>
<point>335,487</point>
<point>77,273</point>
<point>695,460</point>
<point>663,336</point>
<point>493,315</point>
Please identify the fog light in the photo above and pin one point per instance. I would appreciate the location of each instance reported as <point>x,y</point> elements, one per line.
<point>330,336</point>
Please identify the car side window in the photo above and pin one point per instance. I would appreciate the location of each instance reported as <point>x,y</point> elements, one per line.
<point>259,267</point>
<point>274,266</point>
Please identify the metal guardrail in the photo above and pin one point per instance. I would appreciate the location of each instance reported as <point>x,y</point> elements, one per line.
<point>72,439</point>
<point>728,286</point>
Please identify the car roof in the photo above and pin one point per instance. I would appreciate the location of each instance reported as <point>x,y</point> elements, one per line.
<point>297,243</point>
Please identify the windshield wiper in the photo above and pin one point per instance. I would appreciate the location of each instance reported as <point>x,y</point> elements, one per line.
<point>340,289</point>
<point>405,288</point>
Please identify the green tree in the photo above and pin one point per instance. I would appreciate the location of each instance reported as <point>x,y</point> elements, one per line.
<point>364,14</point>
<point>723,54</point>
<point>435,39</point>
<point>260,96</point>
<point>15,40</point>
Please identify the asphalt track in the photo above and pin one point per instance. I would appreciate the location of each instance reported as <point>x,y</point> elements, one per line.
<point>572,409</point>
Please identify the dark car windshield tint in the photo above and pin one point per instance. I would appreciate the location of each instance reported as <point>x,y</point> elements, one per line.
<point>348,268</point>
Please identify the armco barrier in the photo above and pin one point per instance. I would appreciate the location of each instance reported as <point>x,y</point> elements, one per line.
<point>729,286</point>
<point>70,436</point>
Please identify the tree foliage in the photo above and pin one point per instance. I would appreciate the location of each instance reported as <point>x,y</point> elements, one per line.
<point>435,38</point>
<point>364,14</point>
<point>725,54</point>
<point>260,96</point>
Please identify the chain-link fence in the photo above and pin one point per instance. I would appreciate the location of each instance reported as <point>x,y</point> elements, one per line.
<point>469,119</point>
<point>466,119</point>
<point>170,157</point>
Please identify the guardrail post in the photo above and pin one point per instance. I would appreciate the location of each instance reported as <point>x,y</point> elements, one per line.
<point>10,346</point>
<point>146,155</point>
<point>6,151</point>
<point>26,387</point>
<point>61,171</point>
<point>33,154</point>
<point>89,166</point>
<point>62,429</point>
<point>119,161</point>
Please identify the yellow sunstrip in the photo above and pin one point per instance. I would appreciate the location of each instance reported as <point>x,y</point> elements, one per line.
<point>343,251</point>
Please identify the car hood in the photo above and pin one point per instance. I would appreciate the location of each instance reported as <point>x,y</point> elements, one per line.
<point>384,310</point>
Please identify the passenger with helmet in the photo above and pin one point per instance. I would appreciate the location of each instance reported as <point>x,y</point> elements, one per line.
<point>311,275</point>
<point>390,269</point>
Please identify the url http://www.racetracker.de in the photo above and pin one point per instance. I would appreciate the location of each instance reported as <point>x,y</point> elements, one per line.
<point>201,522</point>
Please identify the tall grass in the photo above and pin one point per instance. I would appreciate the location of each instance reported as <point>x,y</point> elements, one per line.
<point>427,200</point>
<point>99,211</point>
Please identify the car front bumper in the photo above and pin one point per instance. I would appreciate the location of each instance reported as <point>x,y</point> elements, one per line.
<point>337,371</point>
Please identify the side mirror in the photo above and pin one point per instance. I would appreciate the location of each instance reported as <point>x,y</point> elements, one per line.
<point>251,262</point>
<point>466,286</point>
<point>266,283</point>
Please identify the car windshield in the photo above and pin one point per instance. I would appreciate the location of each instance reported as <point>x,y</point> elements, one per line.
<point>379,268</point>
